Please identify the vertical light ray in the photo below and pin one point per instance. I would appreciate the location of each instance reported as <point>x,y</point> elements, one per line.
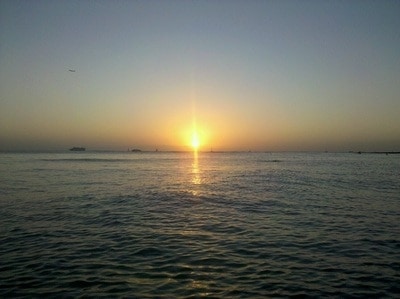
<point>194,140</point>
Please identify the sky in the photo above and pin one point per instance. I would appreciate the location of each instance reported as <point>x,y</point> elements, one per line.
<point>242,75</point>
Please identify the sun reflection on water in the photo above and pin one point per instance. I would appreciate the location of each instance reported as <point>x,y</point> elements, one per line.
<point>196,178</point>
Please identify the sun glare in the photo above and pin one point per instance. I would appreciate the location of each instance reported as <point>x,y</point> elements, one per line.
<point>195,141</point>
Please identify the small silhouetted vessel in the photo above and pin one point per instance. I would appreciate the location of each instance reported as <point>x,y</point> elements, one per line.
<point>77,149</point>
<point>136,150</point>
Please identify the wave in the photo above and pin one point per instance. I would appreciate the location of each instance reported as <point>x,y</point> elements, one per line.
<point>270,161</point>
<point>93,160</point>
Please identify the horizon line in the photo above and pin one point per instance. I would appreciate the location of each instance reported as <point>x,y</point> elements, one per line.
<point>198,151</point>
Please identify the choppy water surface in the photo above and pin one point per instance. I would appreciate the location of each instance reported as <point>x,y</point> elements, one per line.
<point>222,225</point>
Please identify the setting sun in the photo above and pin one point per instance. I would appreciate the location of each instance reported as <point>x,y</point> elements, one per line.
<point>195,141</point>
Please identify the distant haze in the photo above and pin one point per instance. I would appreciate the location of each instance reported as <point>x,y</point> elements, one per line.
<point>246,75</point>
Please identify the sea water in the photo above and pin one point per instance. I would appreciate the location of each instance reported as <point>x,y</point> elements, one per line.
<point>182,225</point>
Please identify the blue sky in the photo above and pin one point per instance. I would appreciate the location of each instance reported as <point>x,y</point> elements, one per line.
<point>260,75</point>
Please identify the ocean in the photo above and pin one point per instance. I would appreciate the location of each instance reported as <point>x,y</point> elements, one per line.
<point>186,225</point>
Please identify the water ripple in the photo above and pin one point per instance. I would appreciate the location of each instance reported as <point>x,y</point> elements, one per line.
<point>254,228</point>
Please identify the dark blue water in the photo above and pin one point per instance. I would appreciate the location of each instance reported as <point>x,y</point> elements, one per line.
<point>222,225</point>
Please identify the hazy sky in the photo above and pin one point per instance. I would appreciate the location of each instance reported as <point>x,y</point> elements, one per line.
<point>248,75</point>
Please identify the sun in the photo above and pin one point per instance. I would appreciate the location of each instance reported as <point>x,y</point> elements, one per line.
<point>195,141</point>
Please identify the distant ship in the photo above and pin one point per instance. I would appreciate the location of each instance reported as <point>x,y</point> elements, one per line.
<point>77,149</point>
<point>136,150</point>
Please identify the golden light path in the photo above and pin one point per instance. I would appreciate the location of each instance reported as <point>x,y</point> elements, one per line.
<point>195,176</point>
